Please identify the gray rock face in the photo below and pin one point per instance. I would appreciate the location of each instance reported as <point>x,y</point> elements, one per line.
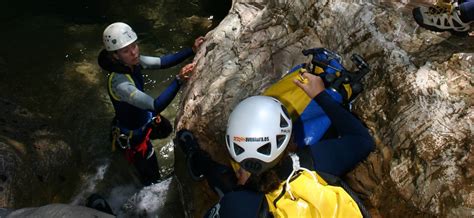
<point>59,210</point>
<point>417,100</point>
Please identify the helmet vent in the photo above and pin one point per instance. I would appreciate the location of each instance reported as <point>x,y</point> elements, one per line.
<point>238,150</point>
<point>265,149</point>
<point>283,123</point>
<point>280,140</point>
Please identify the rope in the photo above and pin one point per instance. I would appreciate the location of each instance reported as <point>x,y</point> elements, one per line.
<point>296,168</point>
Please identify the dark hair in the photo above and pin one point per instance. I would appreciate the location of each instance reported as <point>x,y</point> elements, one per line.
<point>266,182</point>
<point>269,180</point>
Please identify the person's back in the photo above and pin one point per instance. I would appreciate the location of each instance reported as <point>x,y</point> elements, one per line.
<point>257,139</point>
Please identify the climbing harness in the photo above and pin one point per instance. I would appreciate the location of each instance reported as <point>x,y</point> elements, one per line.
<point>123,137</point>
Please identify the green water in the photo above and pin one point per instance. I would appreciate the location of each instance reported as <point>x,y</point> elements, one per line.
<point>48,68</point>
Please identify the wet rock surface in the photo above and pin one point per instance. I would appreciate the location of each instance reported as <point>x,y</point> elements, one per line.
<point>59,210</point>
<point>417,101</point>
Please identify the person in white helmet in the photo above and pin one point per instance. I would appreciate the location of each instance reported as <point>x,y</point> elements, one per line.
<point>137,114</point>
<point>452,16</point>
<point>258,140</point>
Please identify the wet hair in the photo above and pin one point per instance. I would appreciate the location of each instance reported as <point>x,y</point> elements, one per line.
<point>266,182</point>
<point>269,180</point>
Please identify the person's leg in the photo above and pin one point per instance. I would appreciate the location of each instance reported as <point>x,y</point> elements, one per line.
<point>147,166</point>
<point>339,156</point>
<point>467,11</point>
<point>220,178</point>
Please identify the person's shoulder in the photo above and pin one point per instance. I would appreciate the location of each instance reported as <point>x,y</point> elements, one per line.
<point>243,203</point>
<point>120,78</point>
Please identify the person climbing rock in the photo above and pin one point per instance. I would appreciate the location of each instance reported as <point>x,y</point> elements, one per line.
<point>137,114</point>
<point>454,17</point>
<point>271,177</point>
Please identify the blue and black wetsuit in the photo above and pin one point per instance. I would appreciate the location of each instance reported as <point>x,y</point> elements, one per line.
<point>134,108</point>
<point>467,10</point>
<point>335,156</point>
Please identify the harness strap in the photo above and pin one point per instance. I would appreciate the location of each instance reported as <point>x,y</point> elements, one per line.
<point>115,137</point>
<point>140,148</point>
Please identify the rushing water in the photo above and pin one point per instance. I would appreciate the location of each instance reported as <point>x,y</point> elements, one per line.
<point>48,67</point>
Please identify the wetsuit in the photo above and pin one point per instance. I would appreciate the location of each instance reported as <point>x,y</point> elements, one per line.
<point>335,156</point>
<point>467,10</point>
<point>134,109</point>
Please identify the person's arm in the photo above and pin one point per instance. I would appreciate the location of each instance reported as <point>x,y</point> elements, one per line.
<point>166,96</point>
<point>172,59</point>
<point>127,92</point>
<point>340,155</point>
<point>344,122</point>
<point>166,61</point>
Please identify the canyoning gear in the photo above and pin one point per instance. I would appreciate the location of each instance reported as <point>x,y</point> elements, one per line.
<point>188,144</point>
<point>466,8</point>
<point>131,138</point>
<point>441,17</point>
<point>99,203</point>
<point>134,109</point>
<point>166,61</point>
<point>200,165</point>
<point>118,35</point>
<point>327,65</point>
<point>309,120</point>
<point>258,131</point>
<point>141,148</point>
<point>305,194</point>
<point>130,101</point>
<point>330,158</point>
<point>280,200</point>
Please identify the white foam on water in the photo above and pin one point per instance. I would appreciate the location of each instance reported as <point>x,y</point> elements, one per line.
<point>91,183</point>
<point>119,195</point>
<point>149,201</point>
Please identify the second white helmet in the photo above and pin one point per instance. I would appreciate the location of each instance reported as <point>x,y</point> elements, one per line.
<point>258,132</point>
<point>118,35</point>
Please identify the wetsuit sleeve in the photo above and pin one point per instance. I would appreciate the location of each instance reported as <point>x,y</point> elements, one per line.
<point>166,96</point>
<point>127,92</point>
<point>166,61</point>
<point>340,155</point>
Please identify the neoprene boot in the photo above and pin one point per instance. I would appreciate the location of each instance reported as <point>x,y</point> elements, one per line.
<point>99,203</point>
<point>189,145</point>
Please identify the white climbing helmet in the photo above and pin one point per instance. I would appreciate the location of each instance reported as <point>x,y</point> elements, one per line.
<point>258,131</point>
<point>118,35</point>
